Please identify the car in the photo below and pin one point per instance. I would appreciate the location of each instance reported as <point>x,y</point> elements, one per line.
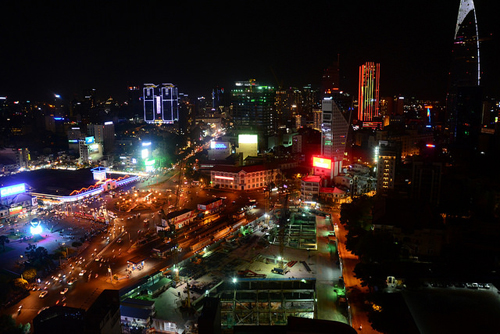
<point>19,308</point>
<point>42,294</point>
<point>64,291</point>
<point>486,286</point>
<point>82,272</point>
<point>71,281</point>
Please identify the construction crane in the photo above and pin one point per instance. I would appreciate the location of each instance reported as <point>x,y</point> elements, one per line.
<point>176,205</point>
<point>283,223</point>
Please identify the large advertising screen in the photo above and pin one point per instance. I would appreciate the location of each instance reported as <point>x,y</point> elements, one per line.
<point>13,190</point>
<point>247,139</point>
<point>322,163</point>
<point>89,140</point>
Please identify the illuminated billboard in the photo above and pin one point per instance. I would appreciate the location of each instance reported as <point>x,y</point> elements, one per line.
<point>148,143</point>
<point>93,148</point>
<point>12,190</point>
<point>247,139</point>
<point>144,153</point>
<point>15,210</point>
<point>217,146</point>
<point>150,165</point>
<point>322,163</point>
<point>89,140</point>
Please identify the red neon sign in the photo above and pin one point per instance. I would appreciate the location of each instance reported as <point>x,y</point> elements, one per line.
<point>322,163</point>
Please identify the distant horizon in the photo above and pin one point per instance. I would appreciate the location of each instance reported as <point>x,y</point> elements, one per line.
<point>67,48</point>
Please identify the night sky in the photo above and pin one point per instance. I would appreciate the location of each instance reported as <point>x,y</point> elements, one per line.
<point>72,45</point>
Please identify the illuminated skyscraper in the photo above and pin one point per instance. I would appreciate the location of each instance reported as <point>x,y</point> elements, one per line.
<point>334,128</point>
<point>368,92</point>
<point>464,94</point>
<point>253,107</point>
<point>466,67</point>
<point>160,103</point>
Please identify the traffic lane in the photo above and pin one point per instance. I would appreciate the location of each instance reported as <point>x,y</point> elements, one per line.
<point>356,293</point>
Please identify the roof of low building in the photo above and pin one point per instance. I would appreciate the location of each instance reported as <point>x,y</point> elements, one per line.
<point>312,178</point>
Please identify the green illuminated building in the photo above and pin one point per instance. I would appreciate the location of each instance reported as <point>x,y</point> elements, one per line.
<point>253,107</point>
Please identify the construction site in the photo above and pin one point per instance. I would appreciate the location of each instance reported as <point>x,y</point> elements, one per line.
<point>261,275</point>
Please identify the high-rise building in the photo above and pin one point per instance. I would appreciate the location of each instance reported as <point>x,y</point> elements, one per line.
<point>426,181</point>
<point>386,156</point>
<point>368,91</point>
<point>74,136</point>
<point>23,157</point>
<point>104,134</point>
<point>253,107</point>
<point>334,129</point>
<point>135,105</point>
<point>464,92</point>
<point>160,103</point>
<point>330,80</point>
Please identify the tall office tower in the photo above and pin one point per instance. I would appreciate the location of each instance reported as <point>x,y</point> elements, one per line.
<point>104,134</point>
<point>23,157</point>
<point>368,91</point>
<point>219,99</point>
<point>186,114</point>
<point>89,98</point>
<point>74,136</point>
<point>160,103</point>
<point>386,155</point>
<point>317,119</point>
<point>253,107</point>
<point>426,181</point>
<point>330,79</point>
<point>134,101</point>
<point>464,92</point>
<point>334,128</point>
<point>310,100</point>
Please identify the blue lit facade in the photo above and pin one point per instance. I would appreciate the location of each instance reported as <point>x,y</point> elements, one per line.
<point>161,103</point>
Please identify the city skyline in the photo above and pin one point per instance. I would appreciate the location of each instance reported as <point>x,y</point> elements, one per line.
<point>68,48</point>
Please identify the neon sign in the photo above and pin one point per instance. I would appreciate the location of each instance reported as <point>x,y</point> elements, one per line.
<point>158,105</point>
<point>322,163</point>
<point>224,178</point>
<point>12,190</point>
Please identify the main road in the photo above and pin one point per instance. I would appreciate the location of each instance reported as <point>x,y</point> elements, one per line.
<point>355,292</point>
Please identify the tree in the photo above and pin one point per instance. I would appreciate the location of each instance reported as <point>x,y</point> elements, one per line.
<point>21,283</point>
<point>29,274</point>
<point>38,256</point>
<point>8,325</point>
<point>4,240</point>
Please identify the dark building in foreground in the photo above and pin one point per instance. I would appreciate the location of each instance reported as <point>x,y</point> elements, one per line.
<point>102,317</point>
